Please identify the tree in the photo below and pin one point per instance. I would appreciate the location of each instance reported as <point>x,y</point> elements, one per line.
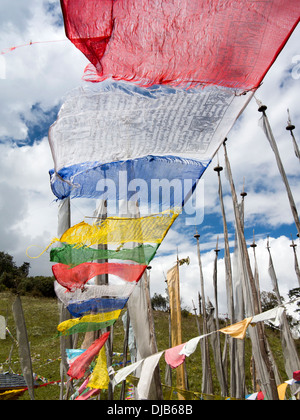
<point>159,303</point>
<point>11,276</point>
<point>268,301</point>
<point>7,264</point>
<point>295,294</point>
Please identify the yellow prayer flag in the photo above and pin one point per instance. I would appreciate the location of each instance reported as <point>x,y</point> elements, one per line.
<point>282,390</point>
<point>99,378</point>
<point>237,330</point>
<point>102,317</point>
<point>120,230</point>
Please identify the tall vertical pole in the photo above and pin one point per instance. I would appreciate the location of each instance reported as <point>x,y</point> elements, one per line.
<point>290,127</point>
<point>229,286</point>
<point>207,384</point>
<point>297,270</point>
<point>218,353</point>
<point>64,223</point>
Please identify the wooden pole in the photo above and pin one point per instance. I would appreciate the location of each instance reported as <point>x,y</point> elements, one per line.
<point>64,223</point>
<point>156,375</point>
<point>207,384</point>
<point>229,286</point>
<point>219,362</point>
<point>196,317</point>
<point>297,270</point>
<point>290,127</point>
<point>125,348</point>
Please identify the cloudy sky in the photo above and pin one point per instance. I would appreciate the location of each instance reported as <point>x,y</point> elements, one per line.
<point>33,82</point>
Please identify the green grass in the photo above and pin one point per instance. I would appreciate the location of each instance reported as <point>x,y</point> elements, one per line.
<point>42,318</point>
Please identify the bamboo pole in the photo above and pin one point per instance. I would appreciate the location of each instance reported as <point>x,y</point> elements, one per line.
<point>297,270</point>
<point>207,384</point>
<point>196,317</point>
<point>229,287</point>
<point>125,349</point>
<point>64,223</point>
<point>220,366</point>
<point>156,375</point>
<point>168,372</point>
<point>290,127</point>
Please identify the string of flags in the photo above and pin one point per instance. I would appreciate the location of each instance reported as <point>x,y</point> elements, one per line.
<point>175,356</point>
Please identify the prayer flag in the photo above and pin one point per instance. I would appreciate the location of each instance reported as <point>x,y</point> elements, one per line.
<point>237,330</point>
<point>81,364</point>
<point>99,378</point>
<point>94,298</point>
<point>76,277</point>
<point>72,256</point>
<point>183,42</point>
<point>88,323</point>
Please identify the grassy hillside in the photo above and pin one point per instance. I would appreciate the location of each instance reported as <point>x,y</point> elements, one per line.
<point>41,315</point>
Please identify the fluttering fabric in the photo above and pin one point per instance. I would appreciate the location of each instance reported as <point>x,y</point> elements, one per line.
<point>94,298</point>
<point>78,309</point>
<point>282,390</point>
<point>87,395</point>
<point>88,323</point>
<point>119,230</point>
<point>273,315</point>
<point>181,42</point>
<point>190,347</point>
<point>73,354</point>
<point>72,256</point>
<point>117,121</point>
<point>116,141</point>
<point>122,374</point>
<point>76,277</point>
<point>174,356</point>
<point>148,368</point>
<point>237,330</point>
<point>81,364</point>
<point>296,375</point>
<point>99,378</point>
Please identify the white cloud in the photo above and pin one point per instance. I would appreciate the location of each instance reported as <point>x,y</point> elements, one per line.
<point>38,74</point>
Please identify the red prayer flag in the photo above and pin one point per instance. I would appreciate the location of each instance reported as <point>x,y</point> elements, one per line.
<point>81,364</point>
<point>296,375</point>
<point>181,42</point>
<point>75,277</point>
